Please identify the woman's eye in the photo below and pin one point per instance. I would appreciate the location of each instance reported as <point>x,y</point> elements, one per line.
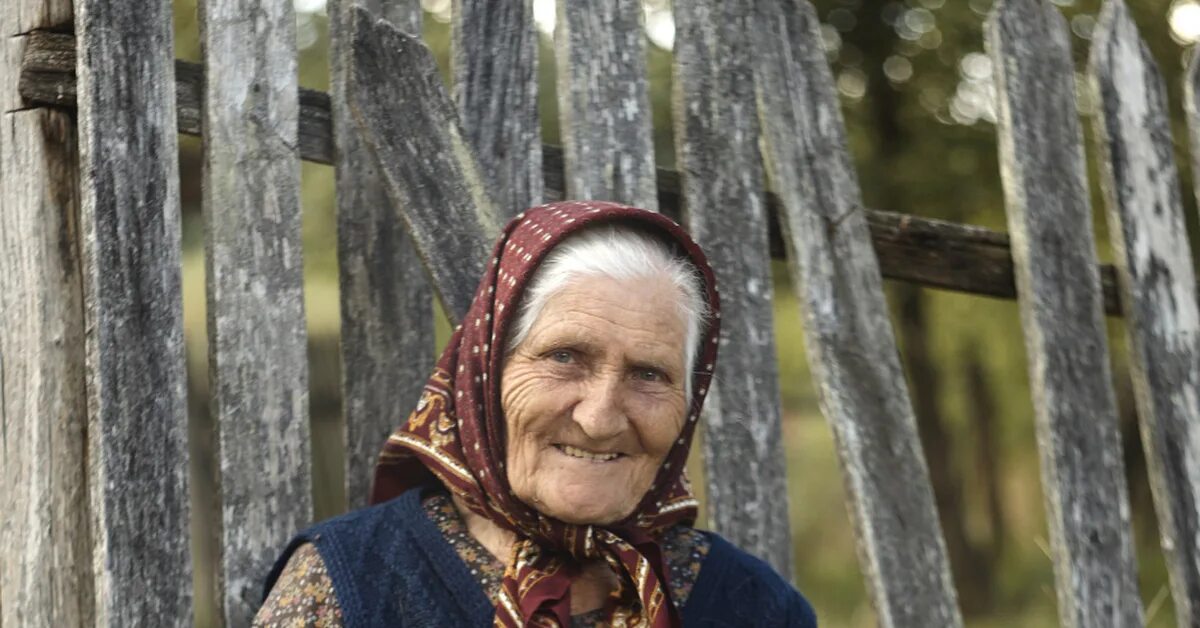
<point>648,375</point>
<point>562,356</point>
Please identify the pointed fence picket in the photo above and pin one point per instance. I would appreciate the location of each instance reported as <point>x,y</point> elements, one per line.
<point>851,346</point>
<point>1154,264</point>
<point>604,102</point>
<point>403,111</point>
<point>130,234</point>
<point>1050,219</point>
<point>717,147</point>
<point>258,367</point>
<point>494,54</point>
<point>90,254</point>
<point>387,346</point>
<point>46,568</point>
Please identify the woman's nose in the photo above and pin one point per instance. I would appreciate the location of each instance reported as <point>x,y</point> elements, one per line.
<point>599,413</point>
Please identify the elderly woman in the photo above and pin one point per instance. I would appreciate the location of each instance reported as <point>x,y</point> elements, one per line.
<point>540,480</point>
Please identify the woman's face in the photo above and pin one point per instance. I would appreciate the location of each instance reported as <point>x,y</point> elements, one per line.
<point>594,398</point>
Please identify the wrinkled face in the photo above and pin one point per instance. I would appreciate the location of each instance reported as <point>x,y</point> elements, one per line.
<point>594,398</point>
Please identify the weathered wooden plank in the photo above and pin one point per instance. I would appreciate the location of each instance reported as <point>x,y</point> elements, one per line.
<point>137,427</point>
<point>494,55</point>
<point>604,102</point>
<point>717,136</point>
<point>1149,234</point>
<point>387,305</point>
<point>45,574</point>
<point>1049,217</point>
<point>258,367</point>
<point>918,250</point>
<point>851,347</point>
<point>45,560</point>
<point>402,110</point>
<point>45,551</point>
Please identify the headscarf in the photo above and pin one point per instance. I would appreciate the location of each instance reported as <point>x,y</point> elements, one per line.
<point>457,434</point>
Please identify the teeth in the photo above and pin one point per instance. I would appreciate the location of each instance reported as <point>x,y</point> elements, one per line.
<point>587,455</point>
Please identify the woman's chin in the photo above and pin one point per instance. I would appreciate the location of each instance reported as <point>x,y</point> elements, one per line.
<point>583,507</point>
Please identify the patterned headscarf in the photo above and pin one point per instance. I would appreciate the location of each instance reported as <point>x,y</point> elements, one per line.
<point>457,434</point>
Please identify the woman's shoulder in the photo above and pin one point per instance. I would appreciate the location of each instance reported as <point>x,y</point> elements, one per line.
<point>387,562</point>
<point>348,539</point>
<point>740,589</point>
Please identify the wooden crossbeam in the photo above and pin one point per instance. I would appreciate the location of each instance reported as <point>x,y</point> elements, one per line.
<point>933,253</point>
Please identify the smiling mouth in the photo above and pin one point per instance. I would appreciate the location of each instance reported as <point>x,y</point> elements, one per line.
<point>584,454</point>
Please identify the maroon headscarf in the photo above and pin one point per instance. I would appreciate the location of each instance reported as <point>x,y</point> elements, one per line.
<point>457,434</point>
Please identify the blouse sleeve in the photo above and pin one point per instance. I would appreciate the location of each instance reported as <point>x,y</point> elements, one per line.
<point>303,595</point>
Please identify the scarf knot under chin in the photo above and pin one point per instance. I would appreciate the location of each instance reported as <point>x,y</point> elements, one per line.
<point>456,434</point>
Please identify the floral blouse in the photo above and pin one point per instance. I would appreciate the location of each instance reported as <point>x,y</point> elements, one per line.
<point>304,596</point>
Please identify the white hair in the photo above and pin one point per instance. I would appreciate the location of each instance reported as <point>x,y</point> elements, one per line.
<point>616,251</point>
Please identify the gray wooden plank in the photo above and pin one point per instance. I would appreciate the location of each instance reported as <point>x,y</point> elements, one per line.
<point>934,253</point>
<point>45,551</point>
<point>402,110</point>
<point>1149,234</point>
<point>494,60</point>
<point>851,346</point>
<point>1049,217</point>
<point>604,102</point>
<point>717,149</point>
<point>1142,191</point>
<point>45,560</point>
<point>137,423</point>
<point>258,367</point>
<point>387,306</point>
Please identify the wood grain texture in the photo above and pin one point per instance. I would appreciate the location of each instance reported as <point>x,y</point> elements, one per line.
<point>387,305</point>
<point>494,60</point>
<point>1149,233</point>
<point>45,551</point>
<point>402,109</point>
<point>717,147</point>
<point>258,366</point>
<point>1049,217</point>
<point>137,414</point>
<point>934,253</point>
<point>851,347</point>
<point>23,16</point>
<point>48,77</point>
<point>604,102</point>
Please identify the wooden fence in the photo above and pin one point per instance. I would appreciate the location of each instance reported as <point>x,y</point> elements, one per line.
<point>94,507</point>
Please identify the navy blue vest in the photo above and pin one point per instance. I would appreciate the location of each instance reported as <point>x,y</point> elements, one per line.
<point>391,566</point>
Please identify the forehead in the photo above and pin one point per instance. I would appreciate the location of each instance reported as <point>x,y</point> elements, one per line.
<point>638,316</point>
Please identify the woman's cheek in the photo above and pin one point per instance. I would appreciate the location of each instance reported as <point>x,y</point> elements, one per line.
<point>661,422</point>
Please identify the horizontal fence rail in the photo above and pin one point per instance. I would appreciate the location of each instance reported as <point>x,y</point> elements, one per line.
<point>934,253</point>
